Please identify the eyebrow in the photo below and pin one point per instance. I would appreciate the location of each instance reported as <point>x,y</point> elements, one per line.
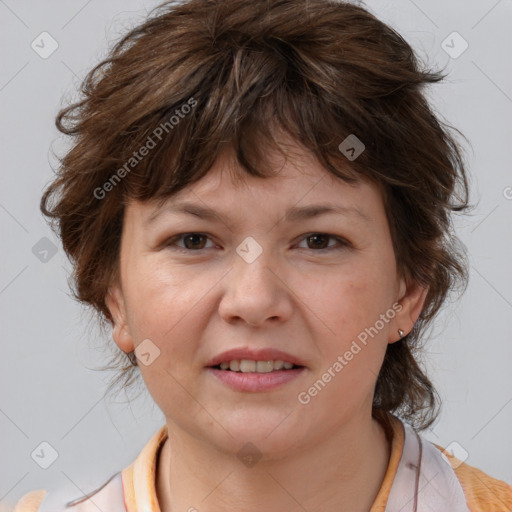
<point>293,214</point>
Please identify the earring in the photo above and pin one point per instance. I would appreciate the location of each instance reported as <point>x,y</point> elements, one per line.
<point>400,333</point>
<point>132,357</point>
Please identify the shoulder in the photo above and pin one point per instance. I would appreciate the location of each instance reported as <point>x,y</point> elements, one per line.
<point>117,494</point>
<point>483,492</point>
<point>30,502</point>
<point>109,496</point>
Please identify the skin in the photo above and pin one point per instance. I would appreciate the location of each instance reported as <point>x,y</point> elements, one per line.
<point>328,455</point>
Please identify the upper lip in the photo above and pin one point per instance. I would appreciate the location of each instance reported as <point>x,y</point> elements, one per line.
<point>263,354</point>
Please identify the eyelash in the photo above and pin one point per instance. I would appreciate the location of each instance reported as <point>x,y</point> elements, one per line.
<point>171,242</point>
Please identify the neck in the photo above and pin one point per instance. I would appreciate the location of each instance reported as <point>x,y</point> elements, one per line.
<point>342,474</point>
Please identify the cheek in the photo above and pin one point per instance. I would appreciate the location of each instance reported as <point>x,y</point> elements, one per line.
<point>164,308</point>
<point>167,306</point>
<point>344,299</point>
<point>350,305</point>
<point>159,296</point>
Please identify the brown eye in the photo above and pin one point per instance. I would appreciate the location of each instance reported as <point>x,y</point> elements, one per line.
<point>191,242</point>
<point>320,242</point>
<point>195,242</point>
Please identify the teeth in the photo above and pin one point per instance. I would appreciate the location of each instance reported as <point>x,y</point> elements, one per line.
<point>249,366</point>
<point>278,365</point>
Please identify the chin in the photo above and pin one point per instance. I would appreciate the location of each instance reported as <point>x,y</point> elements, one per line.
<point>269,430</point>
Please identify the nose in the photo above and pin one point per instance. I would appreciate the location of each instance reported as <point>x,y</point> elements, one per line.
<point>256,293</point>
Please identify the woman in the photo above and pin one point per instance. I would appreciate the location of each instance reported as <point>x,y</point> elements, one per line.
<point>291,141</point>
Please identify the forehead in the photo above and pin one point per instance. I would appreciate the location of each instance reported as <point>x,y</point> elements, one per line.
<point>298,176</point>
<point>281,209</point>
<point>299,188</point>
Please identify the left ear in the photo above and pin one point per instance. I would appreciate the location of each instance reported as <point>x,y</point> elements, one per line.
<point>116,305</point>
<point>411,304</point>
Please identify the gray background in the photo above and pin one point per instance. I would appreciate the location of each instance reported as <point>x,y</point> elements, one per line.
<point>49,389</point>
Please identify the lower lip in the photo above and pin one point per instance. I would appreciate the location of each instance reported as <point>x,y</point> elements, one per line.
<point>255,382</point>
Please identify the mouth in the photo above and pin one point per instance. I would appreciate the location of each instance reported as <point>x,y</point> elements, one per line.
<point>249,376</point>
<point>253,382</point>
<point>253,360</point>
<point>251,366</point>
<point>251,370</point>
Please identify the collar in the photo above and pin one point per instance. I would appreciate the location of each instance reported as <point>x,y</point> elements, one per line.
<point>139,479</point>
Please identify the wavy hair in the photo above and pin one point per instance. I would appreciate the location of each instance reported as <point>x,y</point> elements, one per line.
<point>198,74</point>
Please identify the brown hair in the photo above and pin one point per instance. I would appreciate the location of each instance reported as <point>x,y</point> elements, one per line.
<point>199,74</point>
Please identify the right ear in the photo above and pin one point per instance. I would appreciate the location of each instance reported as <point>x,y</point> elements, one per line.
<point>120,331</point>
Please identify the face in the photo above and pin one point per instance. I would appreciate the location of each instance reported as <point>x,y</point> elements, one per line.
<point>321,288</point>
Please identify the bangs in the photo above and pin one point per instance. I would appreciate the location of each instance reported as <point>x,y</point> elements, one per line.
<point>182,148</point>
<point>202,78</point>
